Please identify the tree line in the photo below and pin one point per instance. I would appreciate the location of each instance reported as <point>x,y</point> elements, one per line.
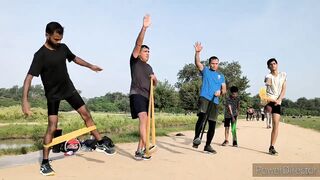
<point>182,97</point>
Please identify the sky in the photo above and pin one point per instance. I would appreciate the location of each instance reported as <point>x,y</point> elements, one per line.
<point>103,32</point>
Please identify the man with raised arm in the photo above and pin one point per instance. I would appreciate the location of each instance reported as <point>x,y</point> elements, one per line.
<point>141,73</point>
<point>213,86</point>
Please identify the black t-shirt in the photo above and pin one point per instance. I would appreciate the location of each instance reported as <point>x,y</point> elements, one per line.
<point>140,77</point>
<point>51,66</point>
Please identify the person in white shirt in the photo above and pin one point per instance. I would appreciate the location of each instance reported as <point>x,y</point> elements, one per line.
<point>275,83</point>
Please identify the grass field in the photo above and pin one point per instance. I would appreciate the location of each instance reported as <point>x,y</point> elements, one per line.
<point>120,127</point>
<point>306,122</point>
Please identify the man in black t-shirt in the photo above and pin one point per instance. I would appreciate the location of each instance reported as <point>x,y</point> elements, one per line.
<point>141,72</point>
<point>50,63</point>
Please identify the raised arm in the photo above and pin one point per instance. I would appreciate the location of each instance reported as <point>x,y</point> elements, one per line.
<point>139,41</point>
<point>25,103</point>
<point>82,62</point>
<point>198,48</point>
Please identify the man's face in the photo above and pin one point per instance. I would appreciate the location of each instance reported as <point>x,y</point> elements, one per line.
<point>144,54</point>
<point>214,64</point>
<point>273,66</point>
<point>234,94</point>
<point>54,40</point>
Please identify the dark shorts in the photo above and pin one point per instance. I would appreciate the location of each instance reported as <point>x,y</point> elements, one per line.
<point>275,109</point>
<point>227,121</point>
<point>203,107</point>
<point>74,100</point>
<point>138,104</point>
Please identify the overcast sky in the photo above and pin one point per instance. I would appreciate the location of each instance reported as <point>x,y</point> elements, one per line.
<point>104,32</point>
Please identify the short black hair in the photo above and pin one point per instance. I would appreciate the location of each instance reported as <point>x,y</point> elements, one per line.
<point>271,60</point>
<point>213,58</point>
<point>144,46</point>
<point>54,27</point>
<point>234,89</point>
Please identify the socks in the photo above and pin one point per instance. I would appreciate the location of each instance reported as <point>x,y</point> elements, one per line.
<point>45,161</point>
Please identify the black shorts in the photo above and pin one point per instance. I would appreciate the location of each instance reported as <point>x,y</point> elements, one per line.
<point>74,100</point>
<point>203,107</point>
<point>275,109</point>
<point>228,121</point>
<point>138,104</point>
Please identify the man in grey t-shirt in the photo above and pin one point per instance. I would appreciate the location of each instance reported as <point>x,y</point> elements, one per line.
<point>141,73</point>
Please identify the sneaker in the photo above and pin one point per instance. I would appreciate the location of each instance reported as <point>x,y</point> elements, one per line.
<point>225,142</point>
<point>140,155</point>
<point>106,149</point>
<point>272,151</point>
<point>235,144</point>
<point>209,149</point>
<point>196,142</point>
<point>46,170</point>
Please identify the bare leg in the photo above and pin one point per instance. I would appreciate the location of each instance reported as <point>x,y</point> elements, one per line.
<point>52,126</point>
<point>226,133</point>
<point>143,119</point>
<point>275,128</point>
<point>86,116</point>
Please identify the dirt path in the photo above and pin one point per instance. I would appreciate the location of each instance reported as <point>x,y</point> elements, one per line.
<point>176,159</point>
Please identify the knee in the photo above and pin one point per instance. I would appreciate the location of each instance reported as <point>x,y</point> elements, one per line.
<point>143,115</point>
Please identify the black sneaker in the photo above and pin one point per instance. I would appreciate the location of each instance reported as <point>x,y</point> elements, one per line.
<point>106,149</point>
<point>272,151</point>
<point>209,149</point>
<point>225,142</point>
<point>46,170</point>
<point>140,155</point>
<point>196,142</point>
<point>235,144</point>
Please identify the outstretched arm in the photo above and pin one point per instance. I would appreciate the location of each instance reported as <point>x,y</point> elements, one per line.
<point>197,62</point>
<point>82,62</point>
<point>139,41</point>
<point>25,103</point>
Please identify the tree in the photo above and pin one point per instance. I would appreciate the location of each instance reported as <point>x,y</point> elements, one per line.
<point>189,82</point>
<point>165,96</point>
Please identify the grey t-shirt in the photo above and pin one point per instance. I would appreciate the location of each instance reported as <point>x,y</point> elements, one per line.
<point>140,77</point>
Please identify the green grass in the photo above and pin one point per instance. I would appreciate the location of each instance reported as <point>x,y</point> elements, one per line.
<point>120,127</point>
<point>305,122</point>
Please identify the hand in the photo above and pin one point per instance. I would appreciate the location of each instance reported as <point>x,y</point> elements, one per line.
<point>152,76</point>
<point>233,119</point>
<point>154,79</point>
<point>95,68</point>
<point>197,47</point>
<point>277,102</point>
<point>217,93</point>
<point>146,21</point>
<point>26,108</point>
